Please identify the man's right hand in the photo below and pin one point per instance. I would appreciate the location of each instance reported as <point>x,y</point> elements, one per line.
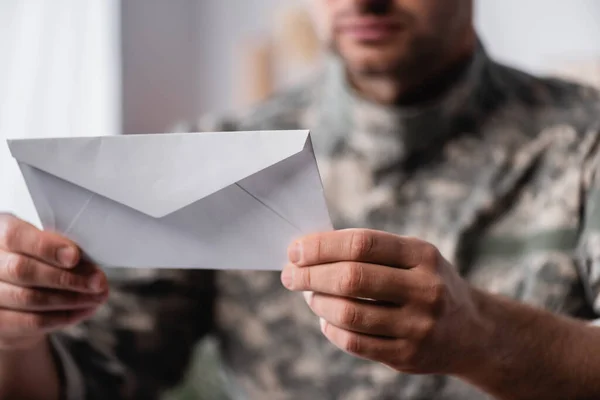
<point>43,285</point>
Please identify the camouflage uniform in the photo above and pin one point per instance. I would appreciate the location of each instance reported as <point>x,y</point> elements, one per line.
<point>499,174</point>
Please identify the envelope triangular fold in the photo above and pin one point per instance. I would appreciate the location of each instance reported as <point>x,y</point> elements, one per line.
<point>304,207</point>
<point>157,174</point>
<point>228,229</point>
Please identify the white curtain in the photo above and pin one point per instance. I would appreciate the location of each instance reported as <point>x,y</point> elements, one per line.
<point>59,76</point>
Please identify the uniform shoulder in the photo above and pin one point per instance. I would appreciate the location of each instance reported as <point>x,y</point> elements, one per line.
<point>548,100</point>
<point>283,110</point>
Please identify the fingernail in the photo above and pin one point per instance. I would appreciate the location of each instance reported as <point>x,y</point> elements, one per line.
<point>97,283</point>
<point>308,296</point>
<point>295,252</point>
<point>66,256</point>
<point>286,277</point>
<point>322,322</point>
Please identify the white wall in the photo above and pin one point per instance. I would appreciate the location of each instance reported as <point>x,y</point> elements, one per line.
<point>536,35</point>
<point>160,63</point>
<point>181,58</point>
<point>58,77</point>
<point>225,25</point>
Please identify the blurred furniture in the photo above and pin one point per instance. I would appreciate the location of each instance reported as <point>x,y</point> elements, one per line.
<point>284,56</point>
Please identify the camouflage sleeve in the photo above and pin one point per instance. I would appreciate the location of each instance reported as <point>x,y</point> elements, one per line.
<point>140,343</point>
<point>588,251</point>
<point>72,380</point>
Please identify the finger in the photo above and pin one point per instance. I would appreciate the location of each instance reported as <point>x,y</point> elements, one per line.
<point>371,318</point>
<point>361,316</point>
<point>358,344</point>
<point>17,236</point>
<point>28,272</point>
<point>360,245</point>
<point>28,323</point>
<point>358,280</point>
<point>26,299</point>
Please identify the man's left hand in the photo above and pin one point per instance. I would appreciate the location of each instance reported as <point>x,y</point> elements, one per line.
<point>388,298</point>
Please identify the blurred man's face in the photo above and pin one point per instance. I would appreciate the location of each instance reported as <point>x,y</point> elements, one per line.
<point>397,37</point>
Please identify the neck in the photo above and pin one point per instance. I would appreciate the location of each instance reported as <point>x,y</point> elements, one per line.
<point>427,85</point>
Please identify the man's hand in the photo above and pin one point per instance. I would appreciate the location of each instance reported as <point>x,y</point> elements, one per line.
<point>43,285</point>
<point>388,298</point>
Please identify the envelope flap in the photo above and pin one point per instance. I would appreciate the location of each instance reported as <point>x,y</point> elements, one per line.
<point>158,174</point>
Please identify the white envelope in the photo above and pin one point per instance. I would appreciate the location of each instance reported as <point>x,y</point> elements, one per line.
<point>218,200</point>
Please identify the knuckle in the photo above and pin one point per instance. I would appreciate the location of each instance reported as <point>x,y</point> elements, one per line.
<point>9,231</point>
<point>304,278</point>
<point>361,244</point>
<point>33,322</point>
<point>436,294</point>
<point>351,280</point>
<point>352,344</point>
<point>67,280</point>
<point>430,255</point>
<point>24,297</point>
<point>348,315</point>
<point>425,329</point>
<point>17,268</point>
<point>41,248</point>
<point>316,248</point>
<point>312,248</point>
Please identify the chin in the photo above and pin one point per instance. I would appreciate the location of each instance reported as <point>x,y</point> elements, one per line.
<point>373,59</point>
<point>374,64</point>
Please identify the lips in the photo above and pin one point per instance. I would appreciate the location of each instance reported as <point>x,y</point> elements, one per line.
<point>370,29</point>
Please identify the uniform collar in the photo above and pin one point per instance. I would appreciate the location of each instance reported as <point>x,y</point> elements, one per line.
<point>394,131</point>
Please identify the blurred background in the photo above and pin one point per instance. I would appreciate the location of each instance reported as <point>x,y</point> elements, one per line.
<point>107,67</point>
